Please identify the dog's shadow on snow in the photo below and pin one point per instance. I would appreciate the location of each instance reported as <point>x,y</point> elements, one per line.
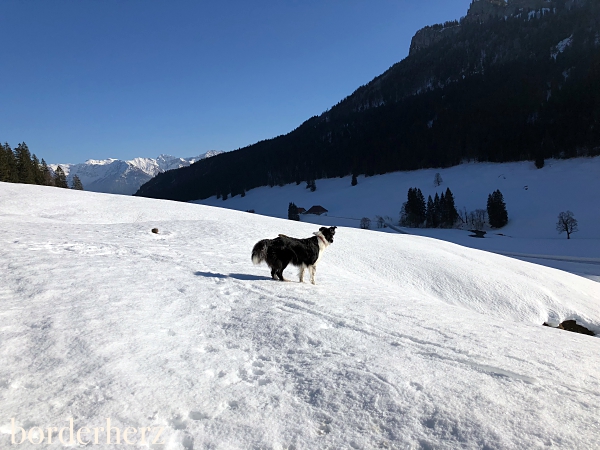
<point>237,276</point>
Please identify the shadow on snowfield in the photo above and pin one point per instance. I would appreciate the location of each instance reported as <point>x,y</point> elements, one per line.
<point>237,276</point>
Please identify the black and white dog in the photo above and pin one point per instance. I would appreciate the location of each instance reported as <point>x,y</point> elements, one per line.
<point>303,253</point>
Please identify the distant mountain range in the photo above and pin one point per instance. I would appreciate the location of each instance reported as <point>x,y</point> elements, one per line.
<point>115,176</point>
<point>512,80</point>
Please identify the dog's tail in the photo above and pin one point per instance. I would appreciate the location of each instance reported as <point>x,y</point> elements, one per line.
<point>259,252</point>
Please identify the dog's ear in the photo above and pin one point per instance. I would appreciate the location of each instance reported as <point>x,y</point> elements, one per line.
<point>332,229</point>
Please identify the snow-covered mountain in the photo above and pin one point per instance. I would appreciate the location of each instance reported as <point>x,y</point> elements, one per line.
<point>115,176</point>
<point>406,342</point>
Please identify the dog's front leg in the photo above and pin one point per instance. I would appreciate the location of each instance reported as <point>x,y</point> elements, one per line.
<point>301,273</point>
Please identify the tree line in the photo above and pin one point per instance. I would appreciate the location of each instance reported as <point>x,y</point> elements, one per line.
<point>19,165</point>
<point>440,211</point>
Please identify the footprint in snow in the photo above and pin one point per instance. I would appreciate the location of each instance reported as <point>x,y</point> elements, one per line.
<point>197,415</point>
<point>188,442</point>
<point>177,423</point>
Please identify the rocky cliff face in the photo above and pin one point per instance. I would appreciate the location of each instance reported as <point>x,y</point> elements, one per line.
<point>482,10</point>
<point>429,36</point>
<point>479,11</point>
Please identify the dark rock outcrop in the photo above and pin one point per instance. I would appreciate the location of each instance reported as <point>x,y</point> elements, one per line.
<point>571,325</point>
<point>429,36</point>
<point>479,11</point>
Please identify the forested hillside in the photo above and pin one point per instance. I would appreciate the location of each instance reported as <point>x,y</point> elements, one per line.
<point>525,85</point>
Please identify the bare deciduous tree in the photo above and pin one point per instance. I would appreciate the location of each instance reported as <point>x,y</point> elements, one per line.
<point>480,218</point>
<point>437,179</point>
<point>566,222</point>
<point>365,223</point>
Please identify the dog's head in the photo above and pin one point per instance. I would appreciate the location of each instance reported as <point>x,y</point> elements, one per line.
<point>328,233</point>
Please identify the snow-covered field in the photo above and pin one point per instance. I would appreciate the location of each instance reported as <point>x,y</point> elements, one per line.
<point>405,341</point>
<point>533,198</point>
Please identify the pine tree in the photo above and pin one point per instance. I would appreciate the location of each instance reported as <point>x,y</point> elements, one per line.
<point>496,209</point>
<point>441,212</point>
<point>420,206</point>
<point>25,169</point>
<point>11,163</point>
<point>450,213</point>
<point>60,179</point>
<point>76,183</point>
<point>539,161</point>
<point>354,180</point>
<point>48,179</point>
<point>430,213</point>
<point>38,170</point>
<point>436,210</point>
<point>293,212</point>
<point>414,208</point>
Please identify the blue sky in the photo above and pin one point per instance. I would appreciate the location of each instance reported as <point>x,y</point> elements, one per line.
<point>85,79</point>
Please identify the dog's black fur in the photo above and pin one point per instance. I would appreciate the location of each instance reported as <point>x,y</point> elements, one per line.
<point>278,253</point>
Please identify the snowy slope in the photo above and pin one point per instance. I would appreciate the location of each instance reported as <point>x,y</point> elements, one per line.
<point>405,341</point>
<point>116,176</point>
<point>533,198</point>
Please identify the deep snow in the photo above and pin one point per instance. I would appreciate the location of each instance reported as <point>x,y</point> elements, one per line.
<point>405,341</point>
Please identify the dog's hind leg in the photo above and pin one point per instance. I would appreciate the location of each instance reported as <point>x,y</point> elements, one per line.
<point>280,272</point>
<point>275,269</point>
<point>312,270</point>
<point>274,273</point>
<point>301,273</point>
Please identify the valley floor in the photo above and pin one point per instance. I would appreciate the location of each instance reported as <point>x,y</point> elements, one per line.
<point>534,197</point>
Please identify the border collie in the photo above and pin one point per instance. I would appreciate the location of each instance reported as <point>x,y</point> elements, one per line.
<point>303,253</point>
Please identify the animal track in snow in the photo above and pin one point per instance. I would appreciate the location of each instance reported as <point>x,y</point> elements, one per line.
<point>233,404</point>
<point>188,442</point>
<point>197,415</point>
<point>177,423</point>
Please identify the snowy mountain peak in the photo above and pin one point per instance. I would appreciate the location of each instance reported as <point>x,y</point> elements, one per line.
<point>115,176</point>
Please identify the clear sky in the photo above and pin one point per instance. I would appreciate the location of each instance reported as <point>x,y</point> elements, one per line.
<point>95,79</point>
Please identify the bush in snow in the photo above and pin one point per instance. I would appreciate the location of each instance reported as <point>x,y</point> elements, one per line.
<point>477,219</point>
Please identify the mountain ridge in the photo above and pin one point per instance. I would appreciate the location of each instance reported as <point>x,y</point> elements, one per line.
<point>495,90</point>
<point>116,176</point>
